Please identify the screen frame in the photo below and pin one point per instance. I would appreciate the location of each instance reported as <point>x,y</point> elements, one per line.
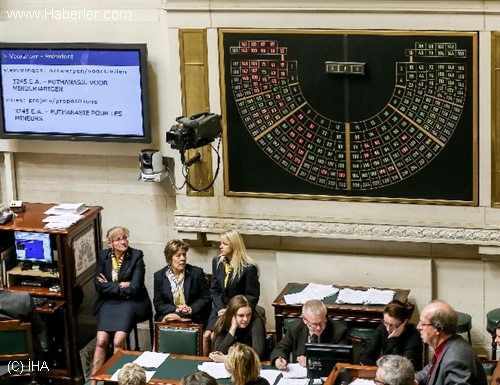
<point>141,48</point>
<point>328,355</point>
<point>23,235</point>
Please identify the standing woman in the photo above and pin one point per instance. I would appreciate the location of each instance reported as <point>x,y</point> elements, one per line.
<point>181,291</point>
<point>395,336</point>
<point>123,299</point>
<point>233,273</point>
<point>240,323</point>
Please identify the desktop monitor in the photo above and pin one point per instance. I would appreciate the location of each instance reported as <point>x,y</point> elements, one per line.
<point>33,247</point>
<point>321,358</point>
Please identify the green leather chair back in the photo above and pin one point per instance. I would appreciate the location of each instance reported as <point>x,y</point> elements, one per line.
<point>13,342</point>
<point>179,338</point>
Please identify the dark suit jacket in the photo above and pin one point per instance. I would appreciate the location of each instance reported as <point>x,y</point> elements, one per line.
<point>132,270</point>
<point>196,292</point>
<point>295,339</point>
<point>408,344</point>
<point>247,284</point>
<point>20,305</point>
<point>458,364</point>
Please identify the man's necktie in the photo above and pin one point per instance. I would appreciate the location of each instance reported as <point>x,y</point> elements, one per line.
<point>433,361</point>
<point>314,339</point>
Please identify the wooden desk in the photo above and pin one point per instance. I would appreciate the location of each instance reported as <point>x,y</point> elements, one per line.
<point>176,366</point>
<point>123,356</point>
<point>355,371</point>
<point>346,312</point>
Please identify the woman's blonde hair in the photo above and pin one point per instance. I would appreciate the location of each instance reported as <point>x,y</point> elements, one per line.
<point>240,258</point>
<point>242,363</point>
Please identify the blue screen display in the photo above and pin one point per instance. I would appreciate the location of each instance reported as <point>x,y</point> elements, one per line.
<point>32,247</point>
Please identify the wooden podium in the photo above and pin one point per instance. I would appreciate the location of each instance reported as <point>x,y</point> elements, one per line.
<point>355,371</point>
<point>70,323</point>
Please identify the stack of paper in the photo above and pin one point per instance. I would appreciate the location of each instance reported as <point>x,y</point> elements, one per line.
<point>366,297</point>
<point>311,291</point>
<point>378,297</point>
<point>64,215</point>
<point>67,208</point>
<point>62,221</point>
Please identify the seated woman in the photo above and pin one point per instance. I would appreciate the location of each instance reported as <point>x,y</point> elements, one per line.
<point>123,298</point>
<point>239,323</point>
<point>244,366</point>
<point>181,291</point>
<point>395,336</point>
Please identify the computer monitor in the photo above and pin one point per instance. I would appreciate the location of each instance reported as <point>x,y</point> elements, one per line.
<point>33,247</point>
<point>321,358</point>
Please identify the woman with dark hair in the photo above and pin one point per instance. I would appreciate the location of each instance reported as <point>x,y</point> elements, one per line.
<point>181,291</point>
<point>243,365</point>
<point>239,323</point>
<point>395,336</point>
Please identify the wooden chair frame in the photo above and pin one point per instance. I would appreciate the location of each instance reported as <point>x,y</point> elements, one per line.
<point>16,326</point>
<point>179,324</point>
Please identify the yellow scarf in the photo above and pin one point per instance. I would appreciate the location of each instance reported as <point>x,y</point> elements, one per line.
<point>179,298</point>
<point>228,269</point>
<point>116,266</point>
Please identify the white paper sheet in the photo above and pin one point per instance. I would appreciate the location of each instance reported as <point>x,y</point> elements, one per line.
<point>151,359</point>
<point>215,369</point>
<point>360,381</point>
<point>293,381</point>
<point>149,375</point>
<point>294,371</point>
<point>311,291</point>
<point>270,375</point>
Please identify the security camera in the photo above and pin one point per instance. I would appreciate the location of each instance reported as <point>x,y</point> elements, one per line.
<point>151,164</point>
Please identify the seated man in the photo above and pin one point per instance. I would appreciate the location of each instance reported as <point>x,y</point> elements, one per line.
<point>394,370</point>
<point>454,360</point>
<point>314,327</point>
<point>20,305</point>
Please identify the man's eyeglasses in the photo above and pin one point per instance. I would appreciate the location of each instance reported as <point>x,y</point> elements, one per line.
<point>391,326</point>
<point>315,325</point>
<point>375,381</point>
<point>422,324</point>
<point>117,240</point>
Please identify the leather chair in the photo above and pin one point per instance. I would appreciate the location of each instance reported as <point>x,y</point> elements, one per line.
<point>17,345</point>
<point>492,318</point>
<point>464,324</point>
<point>178,338</point>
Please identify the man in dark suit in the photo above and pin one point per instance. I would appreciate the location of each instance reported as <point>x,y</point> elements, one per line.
<point>20,305</point>
<point>313,327</point>
<point>454,360</point>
